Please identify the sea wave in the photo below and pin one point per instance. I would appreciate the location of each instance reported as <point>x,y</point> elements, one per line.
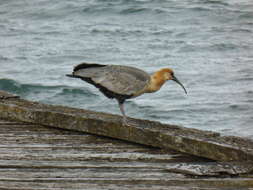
<point>28,90</point>
<point>207,42</point>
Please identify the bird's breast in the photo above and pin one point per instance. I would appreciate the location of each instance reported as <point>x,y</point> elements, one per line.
<point>140,92</point>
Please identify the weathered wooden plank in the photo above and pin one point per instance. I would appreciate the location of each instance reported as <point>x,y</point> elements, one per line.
<point>93,164</point>
<point>49,158</point>
<point>191,141</point>
<point>88,173</point>
<point>124,168</point>
<point>94,186</point>
<point>85,156</point>
<point>211,182</point>
<point>212,168</point>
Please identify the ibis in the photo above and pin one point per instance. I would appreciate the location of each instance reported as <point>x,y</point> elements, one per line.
<point>122,82</point>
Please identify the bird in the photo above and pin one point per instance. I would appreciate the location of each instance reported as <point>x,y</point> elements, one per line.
<point>123,82</point>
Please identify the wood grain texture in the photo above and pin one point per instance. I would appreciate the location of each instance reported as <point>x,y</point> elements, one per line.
<point>34,157</point>
<point>191,141</point>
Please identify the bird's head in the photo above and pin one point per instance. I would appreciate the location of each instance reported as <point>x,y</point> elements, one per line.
<point>168,74</point>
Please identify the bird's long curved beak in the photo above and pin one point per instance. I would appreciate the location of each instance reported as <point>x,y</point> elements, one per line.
<point>177,81</point>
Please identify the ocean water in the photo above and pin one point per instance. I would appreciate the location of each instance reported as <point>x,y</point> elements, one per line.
<point>208,43</point>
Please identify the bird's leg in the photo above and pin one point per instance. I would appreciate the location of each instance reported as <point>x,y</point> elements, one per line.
<point>121,106</point>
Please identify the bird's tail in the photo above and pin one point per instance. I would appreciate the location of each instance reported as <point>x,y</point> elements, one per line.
<point>72,76</point>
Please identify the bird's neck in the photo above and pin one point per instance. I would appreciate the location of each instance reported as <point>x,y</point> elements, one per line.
<point>156,82</point>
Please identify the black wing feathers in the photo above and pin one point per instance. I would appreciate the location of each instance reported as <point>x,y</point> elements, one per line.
<point>109,94</point>
<point>87,65</point>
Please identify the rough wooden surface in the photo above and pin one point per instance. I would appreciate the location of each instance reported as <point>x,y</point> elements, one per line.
<point>34,157</point>
<point>200,143</point>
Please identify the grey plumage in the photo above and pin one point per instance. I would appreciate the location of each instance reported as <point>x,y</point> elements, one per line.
<point>119,79</point>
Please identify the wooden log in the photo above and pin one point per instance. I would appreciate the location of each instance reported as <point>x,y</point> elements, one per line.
<point>191,141</point>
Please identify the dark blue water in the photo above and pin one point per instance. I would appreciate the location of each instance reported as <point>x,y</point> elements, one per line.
<point>208,43</point>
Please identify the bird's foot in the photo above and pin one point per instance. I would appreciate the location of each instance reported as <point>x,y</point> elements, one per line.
<point>127,122</point>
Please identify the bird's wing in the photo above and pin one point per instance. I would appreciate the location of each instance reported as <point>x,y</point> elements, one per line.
<point>118,79</point>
